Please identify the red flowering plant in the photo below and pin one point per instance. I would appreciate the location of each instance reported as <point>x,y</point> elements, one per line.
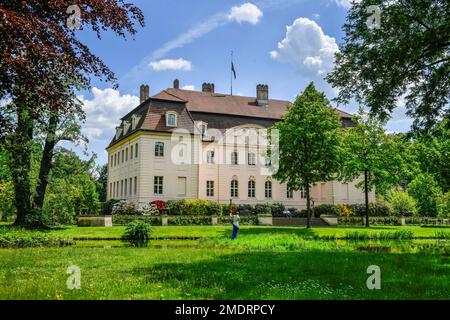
<point>160,205</point>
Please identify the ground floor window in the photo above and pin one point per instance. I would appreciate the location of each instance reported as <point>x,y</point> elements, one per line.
<point>210,188</point>
<point>289,193</point>
<point>234,188</point>
<point>158,185</point>
<point>268,189</point>
<point>251,189</point>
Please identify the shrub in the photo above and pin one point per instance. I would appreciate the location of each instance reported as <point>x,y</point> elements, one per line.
<point>214,208</point>
<point>244,220</point>
<point>246,209</point>
<point>107,206</point>
<point>137,230</point>
<point>159,204</point>
<point>175,207</point>
<point>18,238</point>
<point>126,208</point>
<point>443,205</point>
<point>196,207</point>
<point>124,220</point>
<point>263,208</point>
<point>344,210</point>
<point>277,208</point>
<point>150,210</point>
<point>426,192</point>
<point>401,204</point>
<point>328,209</point>
<point>189,220</point>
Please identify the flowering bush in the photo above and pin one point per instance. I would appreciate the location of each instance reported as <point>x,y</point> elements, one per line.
<point>344,210</point>
<point>159,204</point>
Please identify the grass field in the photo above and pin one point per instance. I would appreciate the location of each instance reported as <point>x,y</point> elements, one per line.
<point>263,263</point>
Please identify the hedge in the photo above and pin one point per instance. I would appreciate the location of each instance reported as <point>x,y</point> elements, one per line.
<point>244,220</point>
<point>124,220</point>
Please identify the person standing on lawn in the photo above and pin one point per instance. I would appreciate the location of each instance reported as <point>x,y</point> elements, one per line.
<point>234,214</point>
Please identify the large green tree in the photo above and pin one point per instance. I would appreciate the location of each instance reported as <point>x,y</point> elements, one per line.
<point>406,55</point>
<point>369,151</point>
<point>309,147</point>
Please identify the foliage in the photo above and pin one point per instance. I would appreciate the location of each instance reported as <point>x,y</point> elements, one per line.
<point>18,238</point>
<point>137,230</point>
<point>107,206</point>
<point>443,205</point>
<point>101,182</point>
<point>124,220</point>
<point>125,208</point>
<point>263,208</point>
<point>401,204</point>
<point>426,192</point>
<point>406,57</point>
<point>368,150</point>
<point>7,209</point>
<point>159,204</point>
<point>328,209</point>
<point>309,144</point>
<point>277,208</point>
<point>344,210</point>
<point>197,207</point>
<point>175,207</point>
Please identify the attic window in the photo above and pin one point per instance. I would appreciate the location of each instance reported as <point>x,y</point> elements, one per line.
<point>171,119</point>
<point>134,121</point>
<point>118,132</point>
<point>126,126</point>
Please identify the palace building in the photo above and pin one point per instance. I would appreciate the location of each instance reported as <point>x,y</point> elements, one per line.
<point>183,144</point>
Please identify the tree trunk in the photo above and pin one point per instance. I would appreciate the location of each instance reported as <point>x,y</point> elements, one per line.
<point>308,207</point>
<point>21,166</point>
<point>46,162</point>
<point>366,194</point>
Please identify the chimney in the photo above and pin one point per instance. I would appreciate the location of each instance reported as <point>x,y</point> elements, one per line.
<point>262,94</point>
<point>144,92</point>
<point>176,84</point>
<point>208,87</point>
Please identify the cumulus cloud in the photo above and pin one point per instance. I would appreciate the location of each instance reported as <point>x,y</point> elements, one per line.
<point>171,64</point>
<point>346,3</point>
<point>104,110</point>
<point>188,87</point>
<point>246,12</point>
<point>307,48</point>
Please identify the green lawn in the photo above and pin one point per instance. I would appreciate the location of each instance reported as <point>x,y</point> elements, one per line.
<point>263,263</point>
<point>220,231</point>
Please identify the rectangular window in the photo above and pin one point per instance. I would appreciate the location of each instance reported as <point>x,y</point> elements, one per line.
<point>251,159</point>
<point>182,186</point>
<point>268,189</point>
<point>115,159</point>
<point>135,185</point>
<point>131,186</point>
<point>210,188</point>
<point>126,154</point>
<point>234,158</point>
<point>322,191</point>
<point>125,188</point>
<point>159,149</point>
<point>251,189</point>
<point>121,188</point>
<point>171,120</point>
<point>234,191</point>
<point>303,193</point>
<point>136,151</point>
<point>131,153</point>
<point>344,191</point>
<point>289,193</point>
<point>210,157</point>
<point>123,154</point>
<point>111,164</point>
<point>158,185</point>
<point>110,190</point>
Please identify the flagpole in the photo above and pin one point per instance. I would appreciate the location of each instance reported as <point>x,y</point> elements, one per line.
<point>231,74</point>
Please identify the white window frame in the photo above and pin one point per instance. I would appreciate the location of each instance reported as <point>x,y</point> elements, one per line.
<point>234,188</point>
<point>158,185</point>
<point>169,116</point>
<point>210,188</point>
<point>251,159</point>
<point>251,193</point>
<point>159,149</point>
<point>234,158</point>
<point>268,189</point>
<point>210,156</point>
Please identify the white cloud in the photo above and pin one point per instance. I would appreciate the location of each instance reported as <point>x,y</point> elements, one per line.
<point>345,3</point>
<point>171,64</point>
<point>188,87</point>
<point>247,12</point>
<point>307,48</point>
<point>103,112</point>
<point>316,16</point>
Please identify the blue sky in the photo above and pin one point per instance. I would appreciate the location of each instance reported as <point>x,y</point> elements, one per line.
<point>282,43</point>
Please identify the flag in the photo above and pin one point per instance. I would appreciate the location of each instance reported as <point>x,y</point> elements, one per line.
<point>233,70</point>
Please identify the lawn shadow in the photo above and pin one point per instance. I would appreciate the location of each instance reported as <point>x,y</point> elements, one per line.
<point>301,275</point>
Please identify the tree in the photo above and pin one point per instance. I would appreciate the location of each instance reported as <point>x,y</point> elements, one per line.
<point>407,56</point>
<point>426,192</point>
<point>102,181</point>
<point>368,150</point>
<point>39,50</point>
<point>309,144</point>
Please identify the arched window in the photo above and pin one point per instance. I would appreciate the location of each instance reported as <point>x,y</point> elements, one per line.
<point>268,189</point>
<point>171,119</point>
<point>234,190</point>
<point>251,188</point>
